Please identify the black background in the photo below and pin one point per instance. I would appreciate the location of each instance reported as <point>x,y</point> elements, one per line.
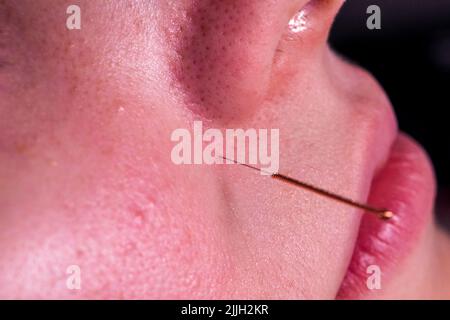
<point>172,309</point>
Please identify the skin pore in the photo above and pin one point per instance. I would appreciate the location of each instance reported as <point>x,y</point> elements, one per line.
<point>85,171</point>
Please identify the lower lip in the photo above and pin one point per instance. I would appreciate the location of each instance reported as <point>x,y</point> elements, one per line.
<point>405,186</point>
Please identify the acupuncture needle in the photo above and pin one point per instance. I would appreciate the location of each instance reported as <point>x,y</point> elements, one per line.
<point>383,214</point>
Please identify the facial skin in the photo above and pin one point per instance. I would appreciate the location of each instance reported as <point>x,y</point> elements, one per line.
<point>85,171</point>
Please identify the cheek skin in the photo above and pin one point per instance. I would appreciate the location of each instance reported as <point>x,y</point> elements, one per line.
<point>104,196</point>
<point>88,179</point>
<point>83,181</point>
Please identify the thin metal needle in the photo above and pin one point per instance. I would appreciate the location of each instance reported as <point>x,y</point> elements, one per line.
<point>381,213</point>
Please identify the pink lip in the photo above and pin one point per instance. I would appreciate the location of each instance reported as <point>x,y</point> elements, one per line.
<point>406,186</point>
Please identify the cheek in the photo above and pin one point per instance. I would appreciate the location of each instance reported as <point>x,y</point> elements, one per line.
<point>135,226</point>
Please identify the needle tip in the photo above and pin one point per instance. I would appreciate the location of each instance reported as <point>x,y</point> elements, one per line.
<point>386,215</point>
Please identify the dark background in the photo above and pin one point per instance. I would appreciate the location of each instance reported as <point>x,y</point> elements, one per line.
<point>410,57</point>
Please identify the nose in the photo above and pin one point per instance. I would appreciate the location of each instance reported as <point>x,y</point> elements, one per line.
<point>225,51</point>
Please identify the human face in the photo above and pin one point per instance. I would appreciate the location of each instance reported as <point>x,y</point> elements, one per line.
<point>86,176</point>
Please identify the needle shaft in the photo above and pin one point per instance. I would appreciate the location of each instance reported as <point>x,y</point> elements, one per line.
<point>381,213</point>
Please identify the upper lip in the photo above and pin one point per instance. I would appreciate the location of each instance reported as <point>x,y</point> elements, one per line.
<point>400,181</point>
<point>379,133</point>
